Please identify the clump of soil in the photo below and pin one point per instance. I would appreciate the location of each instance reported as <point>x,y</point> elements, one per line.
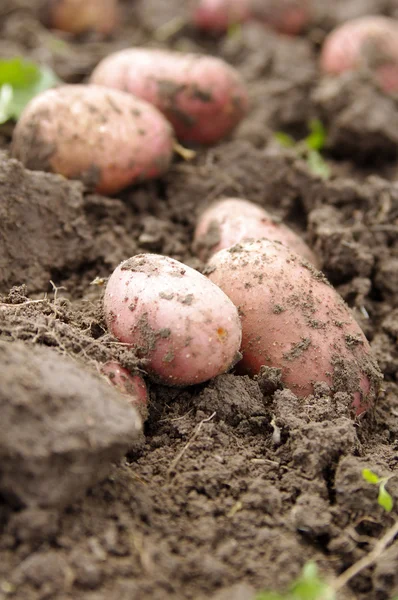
<point>238,482</point>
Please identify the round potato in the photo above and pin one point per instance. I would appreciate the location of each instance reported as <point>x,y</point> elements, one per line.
<point>294,320</point>
<point>81,16</point>
<point>105,138</point>
<point>285,16</point>
<point>370,43</point>
<point>185,327</point>
<point>233,220</point>
<point>202,96</point>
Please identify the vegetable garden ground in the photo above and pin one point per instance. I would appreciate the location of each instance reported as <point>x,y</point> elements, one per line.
<point>237,484</point>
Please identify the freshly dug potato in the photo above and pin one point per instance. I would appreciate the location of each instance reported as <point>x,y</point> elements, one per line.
<point>365,43</point>
<point>294,320</point>
<point>132,386</point>
<point>202,96</point>
<point>233,220</point>
<point>80,16</point>
<point>185,327</point>
<point>285,16</point>
<point>106,138</point>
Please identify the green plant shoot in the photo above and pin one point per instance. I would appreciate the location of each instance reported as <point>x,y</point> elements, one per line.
<point>309,148</point>
<point>384,498</point>
<point>309,586</point>
<point>20,81</point>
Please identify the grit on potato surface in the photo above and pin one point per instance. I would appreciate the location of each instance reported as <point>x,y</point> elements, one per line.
<point>237,483</point>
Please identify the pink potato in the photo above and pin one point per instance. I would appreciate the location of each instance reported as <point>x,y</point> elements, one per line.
<point>184,326</point>
<point>369,42</point>
<point>285,16</point>
<point>132,386</point>
<point>293,319</point>
<point>202,96</point>
<point>233,220</point>
<point>80,16</point>
<point>106,138</point>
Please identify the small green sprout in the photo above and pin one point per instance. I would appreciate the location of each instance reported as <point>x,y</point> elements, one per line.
<point>384,498</point>
<point>310,147</point>
<point>316,139</point>
<point>309,586</point>
<point>20,81</point>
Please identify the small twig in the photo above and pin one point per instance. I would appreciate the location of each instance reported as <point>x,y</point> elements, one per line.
<point>368,560</point>
<point>4,306</point>
<point>187,445</point>
<point>176,418</point>
<point>56,289</point>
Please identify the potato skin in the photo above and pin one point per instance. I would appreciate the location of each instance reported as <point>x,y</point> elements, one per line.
<point>132,386</point>
<point>294,320</point>
<point>202,96</point>
<point>368,42</point>
<point>80,16</point>
<point>105,138</point>
<point>232,220</point>
<point>285,16</point>
<point>185,327</point>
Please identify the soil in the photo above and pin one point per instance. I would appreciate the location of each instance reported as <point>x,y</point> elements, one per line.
<point>238,483</point>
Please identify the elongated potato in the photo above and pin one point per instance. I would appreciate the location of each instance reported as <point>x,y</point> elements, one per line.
<point>185,327</point>
<point>203,97</point>
<point>369,42</point>
<point>80,16</point>
<point>233,220</point>
<point>285,16</point>
<point>105,138</point>
<point>294,320</point>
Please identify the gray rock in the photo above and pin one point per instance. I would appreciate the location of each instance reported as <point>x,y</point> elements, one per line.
<point>60,427</point>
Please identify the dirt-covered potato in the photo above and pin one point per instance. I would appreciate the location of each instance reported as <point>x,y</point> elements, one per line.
<point>203,97</point>
<point>369,43</point>
<point>285,16</point>
<point>293,319</point>
<point>80,16</point>
<point>106,138</point>
<point>132,386</point>
<point>228,222</point>
<point>185,327</point>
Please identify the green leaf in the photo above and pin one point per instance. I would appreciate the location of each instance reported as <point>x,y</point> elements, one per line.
<point>285,139</point>
<point>310,586</point>
<point>20,81</point>
<point>370,477</point>
<point>316,140</point>
<point>385,500</point>
<point>18,72</point>
<point>317,164</point>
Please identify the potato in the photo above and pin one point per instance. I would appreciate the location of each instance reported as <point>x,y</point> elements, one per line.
<point>365,43</point>
<point>132,386</point>
<point>106,138</point>
<point>285,16</point>
<point>80,16</point>
<point>294,320</point>
<point>203,97</point>
<point>233,220</point>
<point>182,324</point>
<point>217,15</point>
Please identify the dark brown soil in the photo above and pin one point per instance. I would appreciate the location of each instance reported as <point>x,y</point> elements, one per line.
<point>238,483</point>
